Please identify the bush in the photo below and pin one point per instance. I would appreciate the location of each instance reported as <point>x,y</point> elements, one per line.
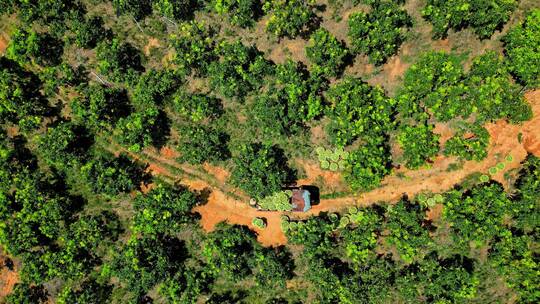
<point>358,110</point>
<point>20,97</point>
<point>522,47</point>
<point>194,46</point>
<point>175,9</point>
<point>101,106</point>
<point>199,144</point>
<point>326,53</point>
<point>492,93</point>
<point>435,82</point>
<point>367,166</point>
<point>288,17</point>
<point>485,17</point>
<point>240,12</point>
<point>113,175</point>
<point>142,128</point>
<point>27,46</point>
<point>65,144</point>
<point>163,210</point>
<point>87,31</point>
<point>469,143</point>
<point>137,8</point>
<point>118,60</point>
<point>379,33</point>
<point>196,107</point>
<point>239,71</point>
<point>419,144</point>
<point>260,170</point>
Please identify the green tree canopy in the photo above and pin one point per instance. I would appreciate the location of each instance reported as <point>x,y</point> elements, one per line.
<point>326,54</point>
<point>522,47</point>
<point>260,170</point>
<point>239,71</point>
<point>120,61</point>
<point>485,17</point>
<point>199,144</point>
<point>194,45</point>
<point>163,210</point>
<point>358,110</point>
<point>40,48</point>
<point>419,144</point>
<point>112,175</point>
<point>288,17</point>
<point>380,32</point>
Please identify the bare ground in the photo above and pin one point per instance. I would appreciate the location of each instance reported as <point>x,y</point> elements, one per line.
<point>8,278</point>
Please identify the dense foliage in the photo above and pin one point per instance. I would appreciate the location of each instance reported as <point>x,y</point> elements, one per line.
<point>260,170</point>
<point>485,17</point>
<point>522,48</point>
<point>107,108</point>
<point>380,32</point>
<point>288,17</point>
<point>239,70</point>
<point>469,143</point>
<point>358,110</point>
<point>326,54</point>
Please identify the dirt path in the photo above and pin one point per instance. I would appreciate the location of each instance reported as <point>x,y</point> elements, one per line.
<point>222,206</point>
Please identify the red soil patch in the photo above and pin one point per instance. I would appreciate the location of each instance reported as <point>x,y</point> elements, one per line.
<point>219,173</point>
<point>8,279</point>
<point>3,43</point>
<point>434,212</point>
<point>156,169</point>
<point>442,45</point>
<point>313,171</point>
<point>168,153</point>
<point>222,208</point>
<point>395,67</point>
<point>531,129</point>
<point>152,43</point>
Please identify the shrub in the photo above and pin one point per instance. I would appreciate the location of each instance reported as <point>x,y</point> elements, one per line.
<point>239,71</point>
<point>469,143</point>
<point>260,170</point>
<point>326,53</point>
<point>120,61</point>
<point>194,45</point>
<point>288,17</point>
<point>358,110</point>
<point>258,222</point>
<point>483,16</point>
<point>380,32</point>
<point>419,144</point>
<point>195,106</point>
<point>240,12</point>
<point>367,166</point>
<point>199,144</point>
<point>522,47</point>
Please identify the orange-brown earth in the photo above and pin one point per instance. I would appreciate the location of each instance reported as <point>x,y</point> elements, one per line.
<point>8,278</point>
<point>3,43</point>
